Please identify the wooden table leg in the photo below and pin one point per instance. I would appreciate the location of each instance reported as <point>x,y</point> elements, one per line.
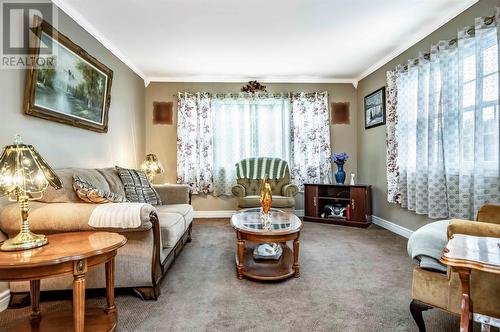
<point>241,252</point>
<point>79,270</point>
<point>35,299</point>
<point>296,266</point>
<point>466,305</point>
<point>110,286</point>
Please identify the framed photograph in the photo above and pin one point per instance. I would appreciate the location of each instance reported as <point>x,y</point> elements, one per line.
<point>66,84</point>
<point>375,108</point>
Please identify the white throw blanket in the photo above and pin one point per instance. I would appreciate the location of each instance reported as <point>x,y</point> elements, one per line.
<point>119,215</point>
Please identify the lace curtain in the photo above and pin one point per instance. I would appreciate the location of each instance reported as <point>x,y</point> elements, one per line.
<point>310,139</point>
<point>443,126</point>
<point>247,125</point>
<point>194,142</point>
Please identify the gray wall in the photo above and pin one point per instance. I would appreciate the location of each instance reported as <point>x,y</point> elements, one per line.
<point>64,145</point>
<point>371,142</point>
<point>161,139</point>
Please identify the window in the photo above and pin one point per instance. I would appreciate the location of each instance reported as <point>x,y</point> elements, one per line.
<point>480,108</point>
<point>248,126</point>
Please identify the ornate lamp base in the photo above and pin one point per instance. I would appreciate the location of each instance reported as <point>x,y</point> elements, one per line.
<point>23,241</point>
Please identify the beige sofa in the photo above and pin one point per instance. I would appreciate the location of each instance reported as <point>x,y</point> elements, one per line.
<point>150,250</point>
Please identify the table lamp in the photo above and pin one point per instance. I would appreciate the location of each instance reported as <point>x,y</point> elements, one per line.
<point>152,166</point>
<point>24,175</point>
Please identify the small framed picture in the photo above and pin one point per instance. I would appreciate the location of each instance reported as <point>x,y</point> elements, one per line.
<point>375,108</point>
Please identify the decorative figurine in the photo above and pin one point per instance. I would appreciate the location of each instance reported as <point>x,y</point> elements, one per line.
<point>266,198</point>
<point>266,195</point>
<point>352,179</point>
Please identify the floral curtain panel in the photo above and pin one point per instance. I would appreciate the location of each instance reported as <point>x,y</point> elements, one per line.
<point>247,125</point>
<point>442,126</point>
<point>310,139</point>
<point>392,167</point>
<point>195,142</point>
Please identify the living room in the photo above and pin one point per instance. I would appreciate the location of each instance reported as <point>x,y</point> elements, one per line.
<point>220,166</point>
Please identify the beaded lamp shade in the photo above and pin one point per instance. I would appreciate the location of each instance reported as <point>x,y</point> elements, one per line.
<point>24,175</point>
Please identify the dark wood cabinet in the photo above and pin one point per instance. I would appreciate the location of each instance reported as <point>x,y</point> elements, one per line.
<point>354,201</point>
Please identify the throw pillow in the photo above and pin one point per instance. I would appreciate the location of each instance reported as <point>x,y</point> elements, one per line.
<point>137,186</point>
<point>87,192</point>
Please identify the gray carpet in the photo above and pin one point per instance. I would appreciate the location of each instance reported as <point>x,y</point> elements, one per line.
<point>351,280</point>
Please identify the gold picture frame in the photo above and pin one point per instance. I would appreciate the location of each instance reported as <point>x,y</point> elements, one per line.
<point>75,90</point>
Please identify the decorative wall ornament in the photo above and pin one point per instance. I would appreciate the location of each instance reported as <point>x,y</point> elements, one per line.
<point>340,113</point>
<point>162,112</point>
<point>253,86</point>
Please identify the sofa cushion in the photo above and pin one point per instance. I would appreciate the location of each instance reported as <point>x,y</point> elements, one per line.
<point>185,210</point>
<point>66,193</point>
<point>137,186</point>
<point>113,179</point>
<point>87,192</point>
<point>254,201</point>
<point>171,228</point>
<point>60,217</point>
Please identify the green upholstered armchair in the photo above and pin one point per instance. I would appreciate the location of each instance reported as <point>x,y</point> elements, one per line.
<point>439,290</point>
<point>249,174</point>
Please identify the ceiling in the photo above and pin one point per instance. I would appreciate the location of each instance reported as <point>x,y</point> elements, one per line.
<point>273,41</point>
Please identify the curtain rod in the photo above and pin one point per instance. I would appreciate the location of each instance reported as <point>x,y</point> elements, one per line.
<point>252,94</point>
<point>471,31</point>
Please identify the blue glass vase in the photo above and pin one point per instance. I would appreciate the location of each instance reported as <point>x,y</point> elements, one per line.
<point>340,174</point>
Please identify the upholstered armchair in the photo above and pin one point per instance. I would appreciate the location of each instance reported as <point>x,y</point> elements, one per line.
<point>251,171</point>
<point>443,291</point>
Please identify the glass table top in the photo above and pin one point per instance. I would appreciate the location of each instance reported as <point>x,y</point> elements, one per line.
<point>249,220</point>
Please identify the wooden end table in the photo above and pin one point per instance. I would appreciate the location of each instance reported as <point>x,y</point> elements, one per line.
<point>285,227</point>
<point>464,253</point>
<point>66,253</point>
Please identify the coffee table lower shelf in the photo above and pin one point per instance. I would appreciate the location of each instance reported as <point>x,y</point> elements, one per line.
<point>267,269</point>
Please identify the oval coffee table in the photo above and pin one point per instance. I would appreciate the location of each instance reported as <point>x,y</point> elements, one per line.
<point>66,253</point>
<point>285,227</point>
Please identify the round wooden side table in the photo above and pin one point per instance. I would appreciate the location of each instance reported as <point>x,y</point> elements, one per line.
<point>66,253</point>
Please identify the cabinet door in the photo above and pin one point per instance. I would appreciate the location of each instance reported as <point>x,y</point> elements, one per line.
<point>358,204</point>
<point>311,201</point>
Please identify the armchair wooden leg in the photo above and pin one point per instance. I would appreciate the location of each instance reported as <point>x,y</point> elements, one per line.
<point>416,308</point>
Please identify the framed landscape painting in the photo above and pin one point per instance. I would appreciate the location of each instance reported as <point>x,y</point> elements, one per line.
<point>67,84</point>
<point>375,108</point>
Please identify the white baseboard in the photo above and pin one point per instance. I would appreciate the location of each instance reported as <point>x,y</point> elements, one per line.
<point>213,214</point>
<point>4,299</point>
<point>395,228</point>
<point>227,214</point>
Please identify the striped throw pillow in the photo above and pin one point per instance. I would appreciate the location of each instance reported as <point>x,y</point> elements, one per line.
<point>87,192</point>
<point>137,186</point>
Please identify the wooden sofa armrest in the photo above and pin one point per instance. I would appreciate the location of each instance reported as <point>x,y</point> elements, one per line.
<point>238,190</point>
<point>474,228</point>
<point>174,193</point>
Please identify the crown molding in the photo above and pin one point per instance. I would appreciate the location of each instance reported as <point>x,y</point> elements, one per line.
<point>243,79</point>
<point>424,32</point>
<point>80,20</point>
